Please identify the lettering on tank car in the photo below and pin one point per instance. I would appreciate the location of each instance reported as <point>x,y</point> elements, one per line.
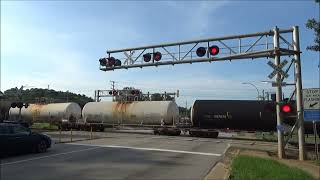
<point>214,116</point>
<point>220,116</point>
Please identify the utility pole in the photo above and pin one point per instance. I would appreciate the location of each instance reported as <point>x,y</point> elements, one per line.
<point>112,86</point>
<point>278,95</point>
<point>186,108</point>
<point>300,123</point>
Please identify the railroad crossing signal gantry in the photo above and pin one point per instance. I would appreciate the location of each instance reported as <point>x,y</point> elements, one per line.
<point>273,44</point>
<point>246,46</point>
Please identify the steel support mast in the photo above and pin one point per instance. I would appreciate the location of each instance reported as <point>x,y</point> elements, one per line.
<point>296,47</point>
<point>281,153</point>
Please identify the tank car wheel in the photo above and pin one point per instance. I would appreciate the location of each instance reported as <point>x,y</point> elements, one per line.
<point>156,132</point>
<point>214,134</point>
<point>196,134</point>
<point>178,133</point>
<point>208,135</point>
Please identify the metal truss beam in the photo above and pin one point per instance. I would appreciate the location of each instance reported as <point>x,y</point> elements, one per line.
<point>269,33</point>
<point>252,55</point>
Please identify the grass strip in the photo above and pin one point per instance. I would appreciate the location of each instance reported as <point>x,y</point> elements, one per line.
<point>248,167</point>
<point>44,126</point>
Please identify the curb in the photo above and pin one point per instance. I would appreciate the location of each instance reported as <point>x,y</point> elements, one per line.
<point>219,171</point>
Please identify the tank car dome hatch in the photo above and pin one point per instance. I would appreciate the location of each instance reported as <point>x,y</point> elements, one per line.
<point>136,112</point>
<point>55,112</point>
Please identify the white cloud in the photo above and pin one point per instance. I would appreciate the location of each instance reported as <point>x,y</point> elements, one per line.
<point>46,54</point>
<point>198,15</point>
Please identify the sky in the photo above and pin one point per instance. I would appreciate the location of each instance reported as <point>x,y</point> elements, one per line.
<point>58,43</point>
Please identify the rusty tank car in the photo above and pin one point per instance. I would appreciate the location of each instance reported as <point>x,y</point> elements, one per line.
<point>136,112</point>
<point>51,113</point>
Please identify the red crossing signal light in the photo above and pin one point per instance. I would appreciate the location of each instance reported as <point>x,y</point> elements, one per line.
<point>117,63</point>
<point>111,61</point>
<point>214,50</point>
<point>286,108</point>
<point>157,56</point>
<point>103,61</point>
<point>201,51</point>
<point>147,57</point>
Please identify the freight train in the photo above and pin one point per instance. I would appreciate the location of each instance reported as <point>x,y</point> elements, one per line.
<point>208,117</point>
<point>97,115</point>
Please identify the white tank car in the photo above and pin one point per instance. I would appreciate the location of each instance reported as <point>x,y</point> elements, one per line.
<point>52,113</point>
<point>136,112</point>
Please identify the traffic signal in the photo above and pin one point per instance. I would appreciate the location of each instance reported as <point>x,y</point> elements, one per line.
<point>213,50</point>
<point>147,57</point>
<point>157,56</point>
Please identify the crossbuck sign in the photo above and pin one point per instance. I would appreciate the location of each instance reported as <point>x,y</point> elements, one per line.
<point>278,69</point>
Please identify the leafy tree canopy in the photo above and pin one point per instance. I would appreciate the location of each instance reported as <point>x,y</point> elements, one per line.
<point>314,25</point>
<point>36,95</point>
<point>159,97</point>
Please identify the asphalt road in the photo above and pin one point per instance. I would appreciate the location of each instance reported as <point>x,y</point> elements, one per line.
<point>119,156</point>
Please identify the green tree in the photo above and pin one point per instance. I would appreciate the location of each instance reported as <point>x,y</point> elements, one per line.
<point>314,25</point>
<point>36,95</point>
<point>184,111</point>
<point>159,97</point>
